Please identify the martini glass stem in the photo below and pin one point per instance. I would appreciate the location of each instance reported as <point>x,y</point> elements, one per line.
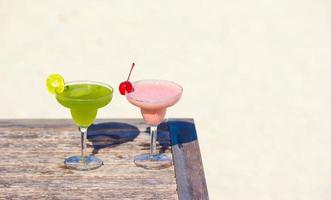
<point>83,132</point>
<point>153,141</point>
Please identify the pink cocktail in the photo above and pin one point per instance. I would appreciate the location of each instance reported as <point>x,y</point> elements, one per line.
<point>153,97</point>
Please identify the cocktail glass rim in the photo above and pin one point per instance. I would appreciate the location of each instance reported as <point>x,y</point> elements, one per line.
<point>58,95</point>
<point>130,96</point>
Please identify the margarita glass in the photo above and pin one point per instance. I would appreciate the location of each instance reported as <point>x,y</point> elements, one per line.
<point>84,98</point>
<point>153,97</point>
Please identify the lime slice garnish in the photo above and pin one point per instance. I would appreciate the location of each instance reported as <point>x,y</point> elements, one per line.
<point>55,83</point>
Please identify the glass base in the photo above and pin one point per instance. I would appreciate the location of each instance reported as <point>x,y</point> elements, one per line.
<point>158,161</point>
<point>83,163</point>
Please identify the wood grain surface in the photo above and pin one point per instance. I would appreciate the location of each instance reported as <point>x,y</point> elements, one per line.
<point>191,182</point>
<point>32,154</point>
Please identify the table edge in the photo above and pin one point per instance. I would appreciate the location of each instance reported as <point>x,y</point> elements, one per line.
<point>190,177</point>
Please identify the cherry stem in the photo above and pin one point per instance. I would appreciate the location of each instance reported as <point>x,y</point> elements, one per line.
<point>130,71</point>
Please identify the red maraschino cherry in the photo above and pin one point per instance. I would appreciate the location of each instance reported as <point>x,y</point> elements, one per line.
<point>126,86</point>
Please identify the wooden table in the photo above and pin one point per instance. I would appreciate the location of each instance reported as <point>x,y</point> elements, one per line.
<point>33,150</point>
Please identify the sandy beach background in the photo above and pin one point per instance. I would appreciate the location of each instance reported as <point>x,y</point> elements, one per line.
<point>256,78</point>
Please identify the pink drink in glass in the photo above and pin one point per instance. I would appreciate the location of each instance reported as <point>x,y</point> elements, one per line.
<point>153,97</point>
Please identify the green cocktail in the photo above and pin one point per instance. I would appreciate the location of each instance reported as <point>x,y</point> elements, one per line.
<point>83,98</point>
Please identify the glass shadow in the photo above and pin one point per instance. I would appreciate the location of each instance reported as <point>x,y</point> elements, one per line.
<point>110,134</point>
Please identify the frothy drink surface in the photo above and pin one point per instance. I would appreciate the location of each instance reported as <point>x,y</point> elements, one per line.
<point>153,98</point>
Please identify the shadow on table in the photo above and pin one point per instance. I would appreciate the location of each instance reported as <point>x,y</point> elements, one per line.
<point>181,131</point>
<point>174,132</point>
<point>110,134</point>
<point>162,137</point>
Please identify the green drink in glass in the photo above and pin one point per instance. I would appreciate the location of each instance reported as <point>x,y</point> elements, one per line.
<point>83,98</point>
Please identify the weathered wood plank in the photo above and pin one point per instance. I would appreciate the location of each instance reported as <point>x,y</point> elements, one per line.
<point>191,183</point>
<point>33,152</point>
